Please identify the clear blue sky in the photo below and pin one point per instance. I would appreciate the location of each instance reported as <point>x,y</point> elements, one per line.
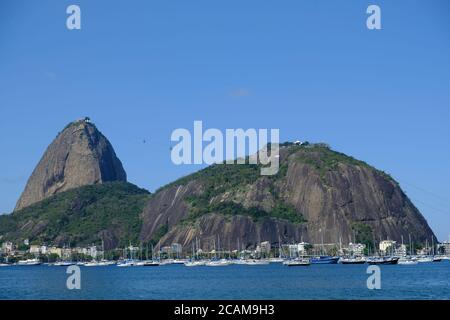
<point>141,69</point>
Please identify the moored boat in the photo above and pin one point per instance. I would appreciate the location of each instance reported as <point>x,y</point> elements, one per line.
<point>352,260</point>
<point>29,262</point>
<point>383,260</point>
<point>298,262</point>
<point>126,263</point>
<point>218,263</point>
<point>195,263</point>
<point>425,259</point>
<point>407,261</point>
<point>63,263</point>
<point>255,262</point>
<point>324,260</point>
<point>151,263</point>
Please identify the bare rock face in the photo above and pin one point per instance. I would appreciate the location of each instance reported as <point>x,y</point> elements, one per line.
<point>80,155</point>
<point>318,195</point>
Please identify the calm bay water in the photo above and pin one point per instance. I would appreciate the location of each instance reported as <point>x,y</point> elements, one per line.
<point>274,281</point>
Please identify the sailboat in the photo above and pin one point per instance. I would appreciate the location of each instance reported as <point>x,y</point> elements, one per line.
<point>297,262</point>
<point>152,262</point>
<point>324,259</point>
<point>352,260</point>
<point>408,260</point>
<point>217,261</point>
<point>435,257</point>
<point>126,262</point>
<point>280,257</point>
<point>194,262</point>
<point>383,260</point>
<point>425,258</point>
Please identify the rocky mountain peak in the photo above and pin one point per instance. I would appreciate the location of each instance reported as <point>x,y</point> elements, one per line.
<point>80,155</point>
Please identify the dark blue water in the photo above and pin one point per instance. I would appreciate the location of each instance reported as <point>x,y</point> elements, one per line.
<point>274,281</point>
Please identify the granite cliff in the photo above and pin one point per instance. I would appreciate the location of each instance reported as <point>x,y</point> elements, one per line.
<point>79,156</point>
<point>318,194</point>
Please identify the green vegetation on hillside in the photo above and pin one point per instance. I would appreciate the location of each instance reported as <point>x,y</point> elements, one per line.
<point>79,216</point>
<point>324,160</point>
<point>363,234</point>
<point>280,212</point>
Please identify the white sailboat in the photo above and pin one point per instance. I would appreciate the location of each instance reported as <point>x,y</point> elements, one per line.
<point>256,262</point>
<point>218,263</point>
<point>194,261</point>
<point>408,260</point>
<point>297,262</point>
<point>352,260</point>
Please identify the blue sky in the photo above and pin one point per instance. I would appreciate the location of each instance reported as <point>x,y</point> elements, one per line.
<point>141,69</point>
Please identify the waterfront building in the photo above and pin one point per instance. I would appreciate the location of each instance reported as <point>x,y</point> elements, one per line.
<point>265,247</point>
<point>43,249</point>
<point>446,245</point>
<point>356,249</point>
<point>386,245</point>
<point>302,247</point>
<point>7,247</point>
<point>55,250</point>
<point>35,249</point>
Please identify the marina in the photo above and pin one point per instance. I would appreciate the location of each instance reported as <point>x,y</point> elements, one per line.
<point>297,261</point>
<point>231,281</point>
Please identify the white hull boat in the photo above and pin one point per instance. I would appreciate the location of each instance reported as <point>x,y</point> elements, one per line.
<point>425,259</point>
<point>126,263</point>
<point>218,263</point>
<point>303,262</point>
<point>256,262</point>
<point>194,263</point>
<point>29,262</point>
<point>407,261</point>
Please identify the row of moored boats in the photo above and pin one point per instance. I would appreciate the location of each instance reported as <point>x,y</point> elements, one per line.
<point>291,262</point>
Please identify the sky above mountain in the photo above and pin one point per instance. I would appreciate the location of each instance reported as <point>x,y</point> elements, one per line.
<point>141,69</point>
